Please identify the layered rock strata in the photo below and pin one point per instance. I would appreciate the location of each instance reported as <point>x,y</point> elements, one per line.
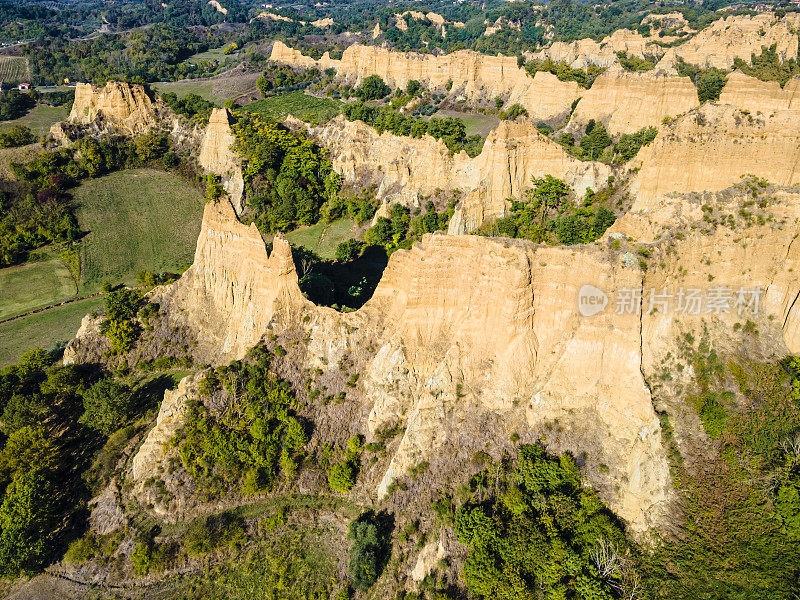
<point>458,326</point>
<point>627,102</point>
<point>712,147</point>
<point>124,106</point>
<point>405,168</point>
<point>217,156</point>
<point>473,75</point>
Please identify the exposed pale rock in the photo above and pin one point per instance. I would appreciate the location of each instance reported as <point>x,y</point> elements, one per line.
<point>455,316</point>
<point>216,155</point>
<point>428,557</point>
<point>584,52</point>
<point>169,420</point>
<point>322,23</point>
<point>218,6</point>
<point>405,168</point>
<point>233,289</point>
<point>88,340</point>
<point>757,96</point>
<point>710,148</point>
<point>513,154</point>
<point>627,102</point>
<point>737,37</point>
<point>474,75</point>
<point>125,106</point>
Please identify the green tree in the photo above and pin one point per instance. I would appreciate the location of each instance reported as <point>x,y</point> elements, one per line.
<point>372,88</point>
<point>26,523</point>
<point>107,406</point>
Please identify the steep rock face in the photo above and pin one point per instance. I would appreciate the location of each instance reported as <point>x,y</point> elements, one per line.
<point>233,289</point>
<point>473,74</point>
<point>403,167</point>
<point>122,105</point>
<point>169,420</point>
<point>756,253</point>
<point>513,154</point>
<point>749,93</point>
<point>582,53</point>
<point>627,102</point>
<point>459,327</point>
<point>737,37</point>
<point>216,155</point>
<point>710,148</point>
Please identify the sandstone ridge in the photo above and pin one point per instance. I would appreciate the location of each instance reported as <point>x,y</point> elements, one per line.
<point>472,74</point>
<point>216,155</point>
<point>405,168</point>
<point>124,106</point>
<point>458,326</point>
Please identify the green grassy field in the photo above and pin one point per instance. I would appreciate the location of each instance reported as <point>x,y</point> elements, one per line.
<point>39,119</point>
<point>475,123</point>
<point>14,69</point>
<point>297,104</point>
<point>217,54</point>
<point>202,87</point>
<point>33,285</point>
<point>323,238</point>
<point>19,155</point>
<point>44,329</point>
<point>137,219</point>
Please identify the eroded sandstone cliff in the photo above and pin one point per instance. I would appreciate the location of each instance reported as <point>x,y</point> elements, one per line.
<point>406,168</point>
<point>627,102</point>
<point>217,156</point>
<point>472,74</point>
<point>712,147</point>
<point>737,37</point>
<point>459,327</point>
<point>124,106</point>
<point>751,94</point>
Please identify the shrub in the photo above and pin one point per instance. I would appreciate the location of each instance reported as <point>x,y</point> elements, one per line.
<point>342,476</point>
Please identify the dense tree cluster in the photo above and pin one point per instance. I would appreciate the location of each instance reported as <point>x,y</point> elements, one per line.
<point>548,215</point>
<point>709,82</point>
<point>450,130</point>
<point>251,444</point>
<point>191,106</point>
<point>540,531</point>
<point>288,177</point>
<point>40,465</point>
<point>156,53</point>
<point>14,104</point>
<point>768,66</point>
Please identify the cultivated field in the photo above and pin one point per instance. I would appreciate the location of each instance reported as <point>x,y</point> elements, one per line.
<point>45,329</point>
<point>33,285</point>
<point>233,84</point>
<point>297,104</point>
<point>137,219</point>
<point>14,69</point>
<point>323,238</point>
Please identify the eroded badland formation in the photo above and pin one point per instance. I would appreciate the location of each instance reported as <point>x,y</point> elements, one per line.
<point>467,339</point>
